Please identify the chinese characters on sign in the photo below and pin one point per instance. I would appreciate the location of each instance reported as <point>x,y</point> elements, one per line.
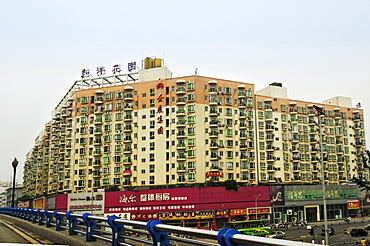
<point>353,204</point>
<point>116,69</point>
<point>85,73</point>
<point>100,71</point>
<point>214,174</point>
<point>145,198</point>
<point>125,199</point>
<point>160,111</point>
<point>131,66</point>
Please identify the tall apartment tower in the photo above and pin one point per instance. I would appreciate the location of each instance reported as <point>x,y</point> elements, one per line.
<point>147,128</point>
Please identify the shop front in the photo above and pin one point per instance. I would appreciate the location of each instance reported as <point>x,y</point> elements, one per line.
<point>305,203</point>
<point>259,213</point>
<point>204,219</point>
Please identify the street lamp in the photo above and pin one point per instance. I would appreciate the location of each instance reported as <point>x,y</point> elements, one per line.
<point>256,204</point>
<point>319,114</point>
<point>14,164</point>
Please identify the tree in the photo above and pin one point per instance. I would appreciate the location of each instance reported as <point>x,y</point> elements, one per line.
<point>363,184</point>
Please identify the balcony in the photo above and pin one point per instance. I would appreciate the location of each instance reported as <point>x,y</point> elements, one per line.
<point>181,124</point>
<point>127,140</point>
<point>128,108</point>
<point>127,129</point>
<point>180,102</point>
<point>180,113</point>
<point>213,113</point>
<point>128,118</point>
<point>213,123</point>
<point>181,146</point>
<point>181,169</point>
<point>181,157</point>
<point>180,91</point>
<point>127,151</point>
<point>129,97</point>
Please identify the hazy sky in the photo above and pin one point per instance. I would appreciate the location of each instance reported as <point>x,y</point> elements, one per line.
<point>317,49</point>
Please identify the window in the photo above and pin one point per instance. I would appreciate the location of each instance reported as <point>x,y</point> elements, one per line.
<point>84,99</point>
<point>191,153</point>
<point>230,165</point>
<point>118,116</point>
<point>151,168</point>
<point>152,113</point>
<point>108,96</point>
<point>151,103</point>
<point>118,106</point>
<point>151,179</point>
<point>119,95</point>
<point>191,177</point>
<point>190,97</point>
<point>107,117</point>
<point>191,164</point>
<point>152,92</point>
<point>190,86</point>
<point>152,124</point>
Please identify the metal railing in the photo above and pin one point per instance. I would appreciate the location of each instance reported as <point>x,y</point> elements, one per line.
<point>116,231</point>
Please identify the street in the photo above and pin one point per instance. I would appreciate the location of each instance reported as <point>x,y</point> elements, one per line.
<point>339,238</point>
<point>9,236</point>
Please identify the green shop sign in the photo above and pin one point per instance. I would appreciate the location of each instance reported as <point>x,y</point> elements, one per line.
<point>308,195</point>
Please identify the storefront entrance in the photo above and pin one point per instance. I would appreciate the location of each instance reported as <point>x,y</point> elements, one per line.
<point>311,213</point>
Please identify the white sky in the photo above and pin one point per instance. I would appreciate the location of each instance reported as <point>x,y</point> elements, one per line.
<point>317,49</point>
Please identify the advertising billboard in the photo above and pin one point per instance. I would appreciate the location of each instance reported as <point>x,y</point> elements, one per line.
<point>90,202</point>
<point>185,199</point>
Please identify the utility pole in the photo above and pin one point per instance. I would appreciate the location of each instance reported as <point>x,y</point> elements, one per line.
<point>326,228</point>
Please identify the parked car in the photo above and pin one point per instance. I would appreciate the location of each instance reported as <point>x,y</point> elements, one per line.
<point>331,231</point>
<point>276,234</point>
<point>359,232</point>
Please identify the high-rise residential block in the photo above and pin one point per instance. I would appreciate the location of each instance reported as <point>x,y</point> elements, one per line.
<point>146,128</point>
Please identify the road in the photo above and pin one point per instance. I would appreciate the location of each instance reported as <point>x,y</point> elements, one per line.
<point>9,236</point>
<point>9,233</point>
<point>338,239</point>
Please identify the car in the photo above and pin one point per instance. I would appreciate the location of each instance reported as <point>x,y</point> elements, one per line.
<point>358,232</point>
<point>276,234</point>
<point>330,230</point>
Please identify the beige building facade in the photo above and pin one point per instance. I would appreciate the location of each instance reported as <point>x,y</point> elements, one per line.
<point>147,128</point>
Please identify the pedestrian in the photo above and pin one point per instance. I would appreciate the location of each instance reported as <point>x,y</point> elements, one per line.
<point>363,242</point>
<point>323,241</point>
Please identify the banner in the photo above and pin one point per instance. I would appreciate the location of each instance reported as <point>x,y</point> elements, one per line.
<point>353,204</point>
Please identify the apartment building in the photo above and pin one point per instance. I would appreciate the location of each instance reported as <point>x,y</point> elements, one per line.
<point>146,128</point>
<point>288,138</point>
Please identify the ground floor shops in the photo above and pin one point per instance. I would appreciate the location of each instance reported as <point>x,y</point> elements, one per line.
<point>305,203</point>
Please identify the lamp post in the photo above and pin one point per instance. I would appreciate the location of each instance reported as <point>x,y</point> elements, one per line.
<point>14,164</point>
<point>326,228</point>
<point>256,204</point>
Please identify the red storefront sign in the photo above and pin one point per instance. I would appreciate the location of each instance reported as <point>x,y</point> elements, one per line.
<point>266,210</point>
<point>353,205</point>
<point>240,211</point>
<point>181,215</point>
<point>144,216</point>
<point>222,214</point>
<point>214,174</point>
<point>185,199</point>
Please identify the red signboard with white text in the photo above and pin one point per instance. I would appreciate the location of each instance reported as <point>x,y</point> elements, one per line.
<point>186,199</point>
